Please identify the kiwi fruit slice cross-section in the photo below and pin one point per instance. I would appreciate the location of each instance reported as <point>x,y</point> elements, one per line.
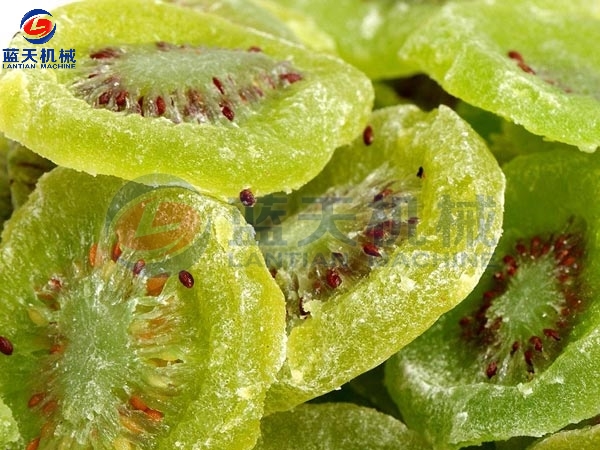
<point>395,231</point>
<point>185,93</point>
<point>520,356</point>
<point>544,77</point>
<point>124,324</point>
<point>336,426</point>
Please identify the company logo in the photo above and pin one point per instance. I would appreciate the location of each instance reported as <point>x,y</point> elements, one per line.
<point>38,26</point>
<point>154,219</point>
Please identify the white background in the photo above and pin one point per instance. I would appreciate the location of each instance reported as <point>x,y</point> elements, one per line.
<point>12,11</point>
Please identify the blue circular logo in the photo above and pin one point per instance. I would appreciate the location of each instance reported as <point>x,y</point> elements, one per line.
<point>38,26</point>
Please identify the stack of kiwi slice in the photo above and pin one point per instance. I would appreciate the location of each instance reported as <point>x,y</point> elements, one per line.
<point>299,224</point>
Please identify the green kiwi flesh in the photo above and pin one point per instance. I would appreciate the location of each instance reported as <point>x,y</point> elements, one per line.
<point>336,426</point>
<point>583,438</point>
<point>243,12</point>
<point>369,254</point>
<point>544,77</point>
<point>5,196</point>
<point>115,334</point>
<point>519,356</point>
<point>24,168</point>
<point>370,34</point>
<point>9,432</point>
<point>268,16</point>
<point>261,114</point>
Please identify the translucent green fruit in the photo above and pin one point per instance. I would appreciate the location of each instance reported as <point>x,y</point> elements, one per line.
<point>5,200</point>
<point>243,12</point>
<point>513,140</point>
<point>520,356</point>
<point>24,168</point>
<point>9,433</point>
<point>506,139</point>
<point>395,231</point>
<point>304,27</point>
<point>370,34</point>
<point>586,438</point>
<point>336,426</point>
<point>544,77</point>
<point>125,322</point>
<point>20,169</point>
<point>267,16</point>
<point>370,387</point>
<point>193,95</point>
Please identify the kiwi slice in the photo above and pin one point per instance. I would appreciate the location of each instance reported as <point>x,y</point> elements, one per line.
<point>585,438</point>
<point>270,17</point>
<point>513,140</point>
<point>221,106</point>
<point>24,168</point>
<point>505,139</point>
<point>5,196</point>
<point>132,329</point>
<point>487,124</point>
<point>369,34</point>
<point>304,27</point>
<point>386,95</point>
<point>370,386</point>
<point>519,356</point>
<point>9,432</point>
<point>243,12</point>
<point>336,426</point>
<point>395,231</point>
<point>544,77</point>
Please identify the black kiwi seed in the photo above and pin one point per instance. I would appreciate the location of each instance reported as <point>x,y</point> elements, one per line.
<point>488,329</point>
<point>247,198</point>
<point>117,79</point>
<point>6,346</point>
<point>186,279</point>
<point>368,135</point>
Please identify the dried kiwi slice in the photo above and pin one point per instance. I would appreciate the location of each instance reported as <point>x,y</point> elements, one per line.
<point>544,77</point>
<point>369,34</point>
<point>520,356</point>
<point>505,139</point>
<point>395,231</point>
<point>5,198</point>
<point>304,27</point>
<point>370,386</point>
<point>585,438</point>
<point>24,168</point>
<point>109,340</point>
<point>193,95</point>
<point>9,432</point>
<point>513,140</point>
<point>270,17</point>
<point>336,426</point>
<point>243,12</point>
